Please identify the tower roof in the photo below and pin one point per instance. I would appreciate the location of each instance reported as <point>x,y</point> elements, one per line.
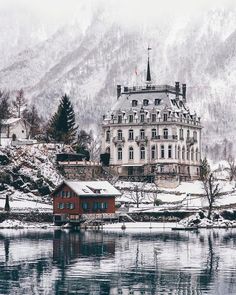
<point>148,80</point>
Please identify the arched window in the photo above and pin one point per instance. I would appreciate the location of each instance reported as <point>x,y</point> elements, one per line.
<point>131,153</point>
<point>154,133</point>
<point>192,154</point>
<point>197,154</point>
<point>169,151</point>
<point>153,152</point>
<point>142,133</point>
<point>119,153</point>
<point>183,153</point>
<point>119,134</point>
<point>188,152</point>
<point>195,136</point>
<point>162,151</point>
<point>134,103</point>
<point>108,135</point>
<point>165,133</point>
<point>142,152</point>
<point>108,150</point>
<point>131,134</point>
<point>178,156</point>
<point>145,102</point>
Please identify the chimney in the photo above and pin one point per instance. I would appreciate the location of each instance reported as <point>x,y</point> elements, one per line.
<point>184,92</point>
<point>118,91</point>
<point>177,90</point>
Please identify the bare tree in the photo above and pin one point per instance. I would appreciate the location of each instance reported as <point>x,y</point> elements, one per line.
<point>94,147</point>
<point>137,194</point>
<point>153,197</point>
<point>31,115</point>
<point>232,168</point>
<point>211,187</point>
<point>19,102</point>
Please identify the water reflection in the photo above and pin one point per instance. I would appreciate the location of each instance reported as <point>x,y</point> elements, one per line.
<point>72,262</point>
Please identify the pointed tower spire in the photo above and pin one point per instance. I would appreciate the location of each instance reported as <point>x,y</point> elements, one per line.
<point>148,80</point>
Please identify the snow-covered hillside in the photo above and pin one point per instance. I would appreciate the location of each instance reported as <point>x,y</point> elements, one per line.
<point>29,176</point>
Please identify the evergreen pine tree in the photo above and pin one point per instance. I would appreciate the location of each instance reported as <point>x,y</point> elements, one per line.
<point>62,126</point>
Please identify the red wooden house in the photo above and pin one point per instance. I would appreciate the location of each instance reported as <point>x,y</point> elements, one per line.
<point>76,201</point>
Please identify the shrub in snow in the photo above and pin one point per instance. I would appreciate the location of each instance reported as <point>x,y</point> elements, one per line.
<point>158,202</point>
<point>7,204</point>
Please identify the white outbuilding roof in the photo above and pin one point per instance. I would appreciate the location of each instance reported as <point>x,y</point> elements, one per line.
<point>92,188</point>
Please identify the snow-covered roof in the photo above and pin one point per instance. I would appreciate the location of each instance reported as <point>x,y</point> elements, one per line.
<point>92,188</point>
<point>12,121</point>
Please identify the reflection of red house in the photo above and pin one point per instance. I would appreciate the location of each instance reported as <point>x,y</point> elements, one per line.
<point>74,201</point>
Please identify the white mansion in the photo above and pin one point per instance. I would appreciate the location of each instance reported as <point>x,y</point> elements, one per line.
<point>151,131</point>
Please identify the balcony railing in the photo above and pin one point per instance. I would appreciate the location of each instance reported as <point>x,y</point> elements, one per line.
<point>191,140</point>
<point>141,139</point>
<point>166,137</point>
<point>161,88</point>
<point>149,121</point>
<point>117,140</point>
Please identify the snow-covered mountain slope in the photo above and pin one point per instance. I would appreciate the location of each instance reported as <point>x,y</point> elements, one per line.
<point>87,65</point>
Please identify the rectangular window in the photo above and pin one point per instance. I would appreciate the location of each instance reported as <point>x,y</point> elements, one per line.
<point>104,205</point>
<point>169,151</point>
<point>165,117</point>
<point>154,117</point>
<point>142,118</point>
<point>131,135</point>
<point>162,152</point>
<point>62,194</point>
<point>61,206</point>
<point>142,134</point>
<point>85,205</point>
<point>119,119</point>
<point>154,133</point>
<point>131,118</point>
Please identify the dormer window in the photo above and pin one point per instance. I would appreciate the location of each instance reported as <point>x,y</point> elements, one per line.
<point>157,101</point>
<point>165,117</point>
<point>145,102</point>
<point>134,103</point>
<point>119,119</point>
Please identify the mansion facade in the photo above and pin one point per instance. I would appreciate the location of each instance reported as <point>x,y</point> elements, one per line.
<point>151,131</point>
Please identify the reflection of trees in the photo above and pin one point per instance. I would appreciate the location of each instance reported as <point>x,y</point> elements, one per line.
<point>209,272</point>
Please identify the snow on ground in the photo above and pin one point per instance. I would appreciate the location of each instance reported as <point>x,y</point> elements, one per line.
<point>188,195</point>
<point>138,226</point>
<point>22,201</point>
<point>11,223</point>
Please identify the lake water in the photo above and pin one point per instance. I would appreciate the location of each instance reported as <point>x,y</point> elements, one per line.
<point>160,262</point>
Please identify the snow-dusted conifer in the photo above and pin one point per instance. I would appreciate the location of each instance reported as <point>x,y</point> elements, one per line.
<point>62,126</point>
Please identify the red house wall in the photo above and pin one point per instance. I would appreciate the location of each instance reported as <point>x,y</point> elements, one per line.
<point>78,200</point>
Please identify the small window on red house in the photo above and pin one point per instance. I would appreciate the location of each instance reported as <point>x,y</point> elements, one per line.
<point>61,206</point>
